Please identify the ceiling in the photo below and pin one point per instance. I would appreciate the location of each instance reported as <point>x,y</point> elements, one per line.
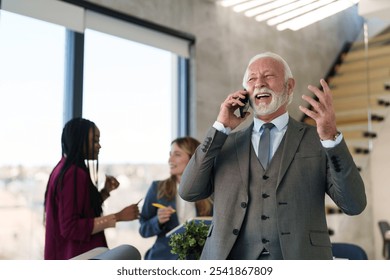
<point>298,14</point>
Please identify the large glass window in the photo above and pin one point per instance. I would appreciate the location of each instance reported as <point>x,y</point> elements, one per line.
<point>31,105</point>
<point>128,93</point>
<point>130,90</point>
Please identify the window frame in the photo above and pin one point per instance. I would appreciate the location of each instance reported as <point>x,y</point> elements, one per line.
<point>73,92</point>
<point>74,82</point>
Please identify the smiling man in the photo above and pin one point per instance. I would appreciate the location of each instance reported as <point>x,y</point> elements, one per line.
<point>269,180</point>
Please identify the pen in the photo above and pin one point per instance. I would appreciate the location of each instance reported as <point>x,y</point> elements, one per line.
<point>139,201</point>
<point>158,205</point>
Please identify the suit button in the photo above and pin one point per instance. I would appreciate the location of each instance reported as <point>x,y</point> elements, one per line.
<point>243,204</point>
<point>264,195</point>
<point>264,217</point>
<point>265,177</point>
<point>236,231</point>
<point>264,240</point>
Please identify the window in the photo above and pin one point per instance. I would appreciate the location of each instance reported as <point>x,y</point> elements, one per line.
<point>31,93</point>
<point>128,91</point>
<point>133,109</point>
<point>135,88</point>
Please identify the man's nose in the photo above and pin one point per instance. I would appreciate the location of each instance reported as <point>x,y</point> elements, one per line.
<point>260,82</point>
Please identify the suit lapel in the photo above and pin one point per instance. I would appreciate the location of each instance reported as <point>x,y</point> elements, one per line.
<point>292,140</point>
<point>293,137</point>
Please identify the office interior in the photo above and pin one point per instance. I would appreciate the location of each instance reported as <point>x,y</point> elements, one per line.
<point>213,44</point>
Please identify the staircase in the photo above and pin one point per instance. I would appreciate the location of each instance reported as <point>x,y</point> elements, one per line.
<point>360,83</point>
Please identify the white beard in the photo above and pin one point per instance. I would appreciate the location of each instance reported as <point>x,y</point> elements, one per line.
<point>278,99</point>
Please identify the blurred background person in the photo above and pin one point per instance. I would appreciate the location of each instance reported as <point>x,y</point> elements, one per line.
<point>74,218</point>
<point>159,221</point>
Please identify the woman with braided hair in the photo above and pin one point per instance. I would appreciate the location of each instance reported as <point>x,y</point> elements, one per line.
<point>74,217</point>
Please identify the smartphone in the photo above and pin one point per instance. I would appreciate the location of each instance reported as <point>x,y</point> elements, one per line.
<point>245,108</point>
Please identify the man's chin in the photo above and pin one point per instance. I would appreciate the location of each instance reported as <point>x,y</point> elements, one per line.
<point>264,112</point>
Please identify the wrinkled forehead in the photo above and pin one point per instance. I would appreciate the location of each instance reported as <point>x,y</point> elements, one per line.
<point>265,64</point>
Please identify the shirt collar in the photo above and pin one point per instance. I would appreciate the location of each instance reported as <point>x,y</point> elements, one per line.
<point>279,122</point>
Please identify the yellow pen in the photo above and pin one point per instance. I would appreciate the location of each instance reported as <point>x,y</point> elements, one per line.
<point>158,205</point>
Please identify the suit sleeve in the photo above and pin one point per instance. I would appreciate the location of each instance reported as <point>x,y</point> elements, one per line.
<point>345,185</point>
<point>197,179</point>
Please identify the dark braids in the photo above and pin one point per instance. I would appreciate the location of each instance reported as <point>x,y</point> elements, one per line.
<point>75,143</point>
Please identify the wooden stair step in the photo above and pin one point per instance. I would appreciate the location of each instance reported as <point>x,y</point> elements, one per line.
<point>360,65</point>
<point>372,52</point>
<point>358,89</point>
<point>360,102</point>
<point>359,76</point>
<point>377,40</point>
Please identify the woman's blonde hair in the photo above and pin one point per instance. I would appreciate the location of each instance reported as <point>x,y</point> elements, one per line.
<point>167,188</point>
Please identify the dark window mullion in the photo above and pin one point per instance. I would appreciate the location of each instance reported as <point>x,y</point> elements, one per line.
<point>74,75</point>
<point>183,96</point>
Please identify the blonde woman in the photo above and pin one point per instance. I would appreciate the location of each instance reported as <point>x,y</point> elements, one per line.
<point>158,221</point>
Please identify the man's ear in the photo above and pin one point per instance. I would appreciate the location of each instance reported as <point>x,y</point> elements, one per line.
<point>290,85</point>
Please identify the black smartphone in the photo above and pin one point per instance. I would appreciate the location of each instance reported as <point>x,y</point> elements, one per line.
<point>245,108</point>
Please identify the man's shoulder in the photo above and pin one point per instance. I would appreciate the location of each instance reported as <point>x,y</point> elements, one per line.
<point>301,124</point>
<point>242,130</point>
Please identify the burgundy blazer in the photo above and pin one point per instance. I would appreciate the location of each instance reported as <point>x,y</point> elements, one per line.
<point>70,217</point>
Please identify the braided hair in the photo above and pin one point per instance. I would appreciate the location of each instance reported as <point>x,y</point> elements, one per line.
<point>75,148</point>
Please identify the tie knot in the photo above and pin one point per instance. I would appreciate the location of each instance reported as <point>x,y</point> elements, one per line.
<point>268,125</point>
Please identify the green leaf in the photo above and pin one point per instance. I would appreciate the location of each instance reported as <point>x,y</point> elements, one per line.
<point>189,243</point>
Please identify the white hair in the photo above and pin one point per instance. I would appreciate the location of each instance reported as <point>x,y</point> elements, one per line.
<point>287,70</point>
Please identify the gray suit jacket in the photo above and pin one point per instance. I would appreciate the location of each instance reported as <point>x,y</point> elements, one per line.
<point>220,167</point>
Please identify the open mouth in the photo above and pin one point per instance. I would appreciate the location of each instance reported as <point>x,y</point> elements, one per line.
<point>262,95</point>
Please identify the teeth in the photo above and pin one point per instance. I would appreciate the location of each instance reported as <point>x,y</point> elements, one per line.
<point>258,96</point>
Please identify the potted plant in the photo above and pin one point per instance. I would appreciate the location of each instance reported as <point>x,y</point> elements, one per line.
<point>189,243</point>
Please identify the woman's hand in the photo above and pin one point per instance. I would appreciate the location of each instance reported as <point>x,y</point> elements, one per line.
<point>164,214</point>
<point>111,183</point>
<point>128,213</point>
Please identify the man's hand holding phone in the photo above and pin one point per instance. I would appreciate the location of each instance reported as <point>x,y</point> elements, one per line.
<point>245,108</point>
<point>227,114</point>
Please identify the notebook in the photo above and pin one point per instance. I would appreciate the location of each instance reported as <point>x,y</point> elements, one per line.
<point>180,228</point>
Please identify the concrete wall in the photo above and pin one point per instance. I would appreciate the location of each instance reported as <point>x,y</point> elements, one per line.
<point>225,41</point>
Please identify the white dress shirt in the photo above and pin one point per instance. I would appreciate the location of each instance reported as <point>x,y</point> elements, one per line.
<point>185,210</point>
<point>276,134</point>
